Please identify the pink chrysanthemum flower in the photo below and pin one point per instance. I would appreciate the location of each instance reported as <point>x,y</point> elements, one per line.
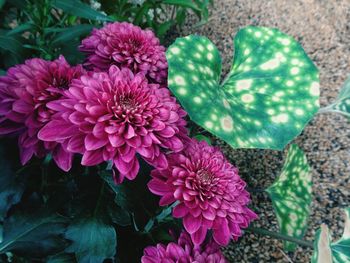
<point>126,45</point>
<point>184,251</point>
<point>114,115</point>
<point>209,192</point>
<point>24,94</point>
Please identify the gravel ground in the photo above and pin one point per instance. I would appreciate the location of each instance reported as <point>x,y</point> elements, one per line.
<point>323,28</point>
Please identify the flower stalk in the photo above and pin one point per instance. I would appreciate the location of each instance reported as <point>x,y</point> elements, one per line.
<point>265,232</point>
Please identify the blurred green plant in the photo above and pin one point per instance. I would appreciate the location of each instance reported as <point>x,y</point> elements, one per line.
<point>160,15</point>
<point>47,28</point>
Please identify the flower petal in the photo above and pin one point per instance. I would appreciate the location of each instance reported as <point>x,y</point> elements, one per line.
<point>222,234</point>
<point>56,130</point>
<point>91,158</point>
<point>93,143</point>
<point>63,158</point>
<point>180,211</point>
<point>199,236</point>
<point>191,223</point>
<point>158,187</point>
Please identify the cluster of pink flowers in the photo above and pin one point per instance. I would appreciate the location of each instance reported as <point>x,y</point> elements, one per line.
<point>117,106</point>
<point>112,111</point>
<point>184,251</point>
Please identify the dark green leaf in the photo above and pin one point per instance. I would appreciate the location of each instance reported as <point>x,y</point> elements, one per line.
<point>141,13</point>
<point>18,3</point>
<point>11,187</point>
<point>71,33</point>
<point>61,258</point>
<point>2,2</point>
<point>54,30</point>
<point>201,137</point>
<point>92,240</point>
<point>163,28</point>
<point>119,216</point>
<point>184,3</point>
<point>181,16</point>
<point>34,234</point>
<point>10,44</point>
<point>291,195</point>
<point>20,29</point>
<point>77,8</point>
<point>270,94</point>
<point>141,206</point>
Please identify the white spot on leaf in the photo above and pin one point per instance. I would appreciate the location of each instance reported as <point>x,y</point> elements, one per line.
<point>271,64</point>
<point>315,89</point>
<point>227,123</point>
<point>243,84</point>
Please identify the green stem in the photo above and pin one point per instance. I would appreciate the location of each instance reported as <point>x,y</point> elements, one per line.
<point>264,232</point>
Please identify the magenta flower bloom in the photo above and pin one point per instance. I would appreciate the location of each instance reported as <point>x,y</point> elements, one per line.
<point>184,251</point>
<point>126,45</point>
<point>24,94</point>
<point>114,115</point>
<point>209,192</point>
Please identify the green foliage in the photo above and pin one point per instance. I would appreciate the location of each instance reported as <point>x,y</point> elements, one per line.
<point>48,28</point>
<point>291,195</point>
<point>71,33</point>
<point>201,137</point>
<point>40,29</point>
<point>342,102</point>
<point>93,240</point>
<point>265,101</point>
<point>77,8</point>
<point>11,185</point>
<point>33,234</point>
<point>155,14</point>
<point>140,207</point>
<point>337,252</point>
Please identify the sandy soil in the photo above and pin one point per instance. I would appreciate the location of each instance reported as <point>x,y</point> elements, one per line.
<point>323,28</point>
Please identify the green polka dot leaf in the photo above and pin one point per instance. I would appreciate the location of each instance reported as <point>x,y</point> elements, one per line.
<point>291,195</point>
<point>342,103</point>
<point>337,252</point>
<point>268,97</point>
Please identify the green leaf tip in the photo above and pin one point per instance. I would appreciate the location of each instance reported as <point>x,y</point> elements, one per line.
<point>337,252</point>
<point>291,195</point>
<point>270,94</point>
<point>342,102</point>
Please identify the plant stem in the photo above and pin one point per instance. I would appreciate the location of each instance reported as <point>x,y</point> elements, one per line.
<point>264,232</point>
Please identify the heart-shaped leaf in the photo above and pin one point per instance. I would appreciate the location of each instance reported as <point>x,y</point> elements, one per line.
<point>92,240</point>
<point>342,103</point>
<point>270,94</point>
<point>337,252</point>
<point>291,195</point>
